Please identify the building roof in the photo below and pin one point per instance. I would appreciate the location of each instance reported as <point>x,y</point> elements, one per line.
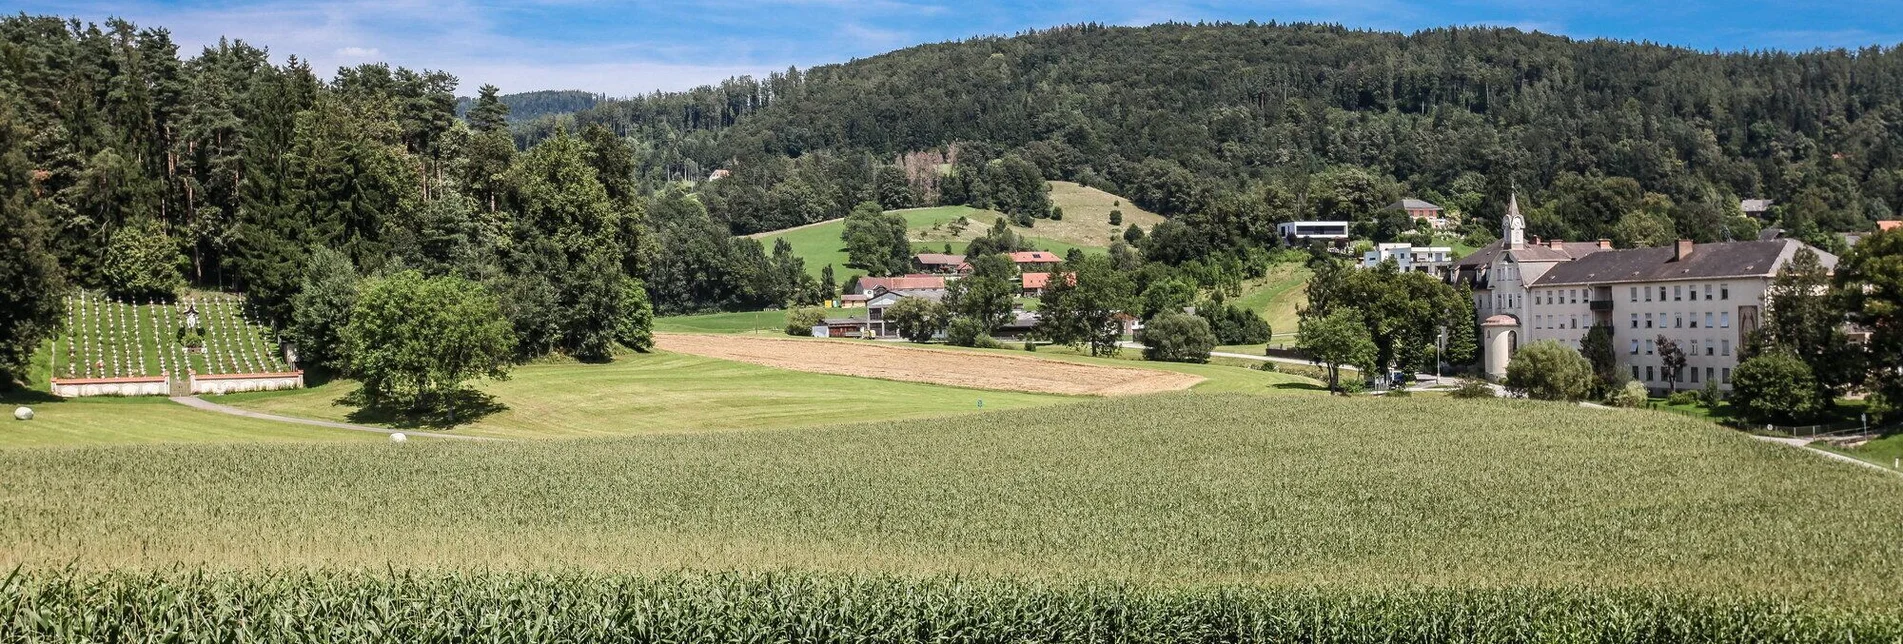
<point>1500,320</point>
<point>1035,257</point>
<point>906,283</point>
<point>1534,251</point>
<point>939,259</point>
<point>853,297</point>
<point>1706,261</point>
<point>1889,224</point>
<point>1754,205</point>
<point>1041,280</point>
<point>1769,233</point>
<point>1413,204</point>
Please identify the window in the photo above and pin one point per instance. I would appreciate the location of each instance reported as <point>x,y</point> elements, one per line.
<point>1678,293</point>
<point>1635,293</point>
<point>1694,350</point>
<point>1635,351</point>
<point>1708,373</point>
<point>1635,372</point>
<point>1711,348</point>
<point>1648,320</point>
<point>1708,320</point>
<point>1692,293</point>
<point>1648,295</point>
<point>1538,321</point>
<point>1694,320</point>
<point>1661,294</point>
<point>1635,320</point>
<point>1648,373</point>
<point>1724,320</point>
<point>1694,375</point>
<point>1573,295</point>
<point>1648,349</point>
<point>1724,293</point>
<point>1575,320</point>
<point>1678,320</point>
<point>1727,375</point>
<point>1726,346</point>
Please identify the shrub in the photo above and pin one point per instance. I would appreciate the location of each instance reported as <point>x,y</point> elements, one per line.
<point>1631,394</point>
<point>1178,337</point>
<point>1548,370</point>
<point>800,321</point>
<point>1400,392</point>
<point>1030,346</point>
<point>1774,388</point>
<point>967,332</point>
<point>1684,398</point>
<point>1472,388</point>
<point>1268,366</point>
<point>1712,396</point>
<point>1116,217</point>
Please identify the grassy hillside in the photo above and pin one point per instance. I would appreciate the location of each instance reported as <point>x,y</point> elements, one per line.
<point>1172,489</point>
<point>1276,296</point>
<point>669,393</point>
<point>103,421</point>
<point>1086,225</point>
<point>110,338</point>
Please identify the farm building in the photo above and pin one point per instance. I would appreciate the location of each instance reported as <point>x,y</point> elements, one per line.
<point>1035,260</point>
<point>941,264</point>
<point>1033,284</point>
<point>870,286</point>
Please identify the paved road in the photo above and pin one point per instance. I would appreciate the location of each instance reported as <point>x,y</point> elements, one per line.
<point>1804,444</point>
<point>200,403</point>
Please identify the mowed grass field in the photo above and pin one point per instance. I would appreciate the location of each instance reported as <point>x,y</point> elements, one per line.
<point>668,393</point>
<point>1088,228</point>
<point>1277,297</point>
<point>1362,495</point>
<point>109,421</point>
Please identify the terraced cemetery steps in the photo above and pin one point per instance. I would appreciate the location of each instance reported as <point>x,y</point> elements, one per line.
<point>109,337</point>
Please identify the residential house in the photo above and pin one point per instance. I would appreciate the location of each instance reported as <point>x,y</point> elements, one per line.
<point>1035,260</point>
<point>874,325</point>
<point>941,264</point>
<point>1433,260</point>
<point>1888,225</point>
<point>1419,210</point>
<point>1759,208</point>
<point>870,286</point>
<point>1327,230</point>
<point>1706,298</point>
<point>1033,284</point>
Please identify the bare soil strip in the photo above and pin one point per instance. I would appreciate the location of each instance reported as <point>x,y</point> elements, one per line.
<point>913,364</point>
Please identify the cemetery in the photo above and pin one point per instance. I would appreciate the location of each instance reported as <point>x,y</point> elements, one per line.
<point>200,343</point>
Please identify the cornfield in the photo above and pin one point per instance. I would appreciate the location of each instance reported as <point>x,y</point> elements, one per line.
<point>799,607</point>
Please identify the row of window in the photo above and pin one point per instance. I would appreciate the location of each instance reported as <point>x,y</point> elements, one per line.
<point>1554,322</point>
<point>1719,348</point>
<point>1710,373</point>
<point>1681,292</point>
<point>1721,321</point>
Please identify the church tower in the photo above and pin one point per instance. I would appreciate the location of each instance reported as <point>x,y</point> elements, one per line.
<point>1514,226</point>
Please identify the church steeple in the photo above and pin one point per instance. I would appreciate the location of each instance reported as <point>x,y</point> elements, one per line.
<point>1514,225</point>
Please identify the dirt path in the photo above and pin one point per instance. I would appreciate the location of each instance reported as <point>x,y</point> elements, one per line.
<point>200,403</point>
<point>913,364</point>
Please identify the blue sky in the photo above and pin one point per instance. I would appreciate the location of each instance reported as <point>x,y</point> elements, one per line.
<point>622,48</point>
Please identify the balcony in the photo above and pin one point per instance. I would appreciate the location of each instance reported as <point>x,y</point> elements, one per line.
<point>1601,305</point>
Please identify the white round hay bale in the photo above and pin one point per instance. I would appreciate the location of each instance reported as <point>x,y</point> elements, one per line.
<point>398,437</point>
<point>23,413</point>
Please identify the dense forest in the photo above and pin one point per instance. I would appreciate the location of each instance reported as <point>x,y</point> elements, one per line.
<point>528,106</point>
<point>131,166</point>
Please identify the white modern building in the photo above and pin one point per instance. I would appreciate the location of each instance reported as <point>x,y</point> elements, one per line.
<point>1333,230</point>
<point>1434,260</point>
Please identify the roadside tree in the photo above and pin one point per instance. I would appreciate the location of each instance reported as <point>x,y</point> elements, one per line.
<point>1548,370</point>
<point>1178,337</point>
<point>1774,388</point>
<point>1336,340</point>
<point>1081,304</point>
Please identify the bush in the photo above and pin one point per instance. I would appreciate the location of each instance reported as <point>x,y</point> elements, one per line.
<point>1234,324</point>
<point>1268,366</point>
<point>1178,337</point>
<point>1116,217</point>
<point>1472,388</point>
<point>1030,346</point>
<point>1684,398</point>
<point>967,332</point>
<point>800,321</point>
<point>1774,388</point>
<point>1400,392</point>
<point>1632,394</point>
<point>1548,370</point>
<point>1712,396</point>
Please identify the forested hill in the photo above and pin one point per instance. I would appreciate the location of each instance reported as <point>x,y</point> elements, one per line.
<point>1180,115</point>
<point>528,106</point>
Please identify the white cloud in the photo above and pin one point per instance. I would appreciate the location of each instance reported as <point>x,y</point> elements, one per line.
<point>367,53</point>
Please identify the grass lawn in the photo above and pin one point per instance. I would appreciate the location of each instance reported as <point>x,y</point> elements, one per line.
<point>1883,451</point>
<point>1219,375</point>
<point>1187,488</point>
<point>740,322</point>
<point>104,420</point>
<point>669,393</point>
<point>820,244</point>
<point>1276,297</point>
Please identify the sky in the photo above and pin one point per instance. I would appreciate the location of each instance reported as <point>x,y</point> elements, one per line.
<point>628,48</point>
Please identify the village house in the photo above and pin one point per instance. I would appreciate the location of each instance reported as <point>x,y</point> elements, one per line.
<point>1034,284</point>
<point>870,286</point>
<point>941,264</point>
<point>1433,260</point>
<point>1326,230</point>
<point>1035,260</point>
<point>1758,208</point>
<point>1419,210</point>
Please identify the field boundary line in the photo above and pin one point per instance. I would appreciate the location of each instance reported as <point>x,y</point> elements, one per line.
<point>765,233</point>
<point>200,403</point>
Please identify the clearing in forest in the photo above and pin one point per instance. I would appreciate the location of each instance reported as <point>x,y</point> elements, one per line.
<point>913,364</point>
